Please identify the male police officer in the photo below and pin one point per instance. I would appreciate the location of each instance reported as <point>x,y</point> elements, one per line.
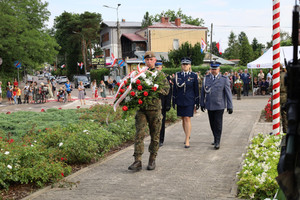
<point>151,114</point>
<point>215,97</point>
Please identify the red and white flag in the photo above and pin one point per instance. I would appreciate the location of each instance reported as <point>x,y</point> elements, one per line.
<point>63,66</point>
<point>80,65</point>
<point>219,48</point>
<point>113,60</point>
<point>203,45</point>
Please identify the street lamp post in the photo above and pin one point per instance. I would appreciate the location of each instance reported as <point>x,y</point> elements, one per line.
<point>118,29</point>
<point>83,49</point>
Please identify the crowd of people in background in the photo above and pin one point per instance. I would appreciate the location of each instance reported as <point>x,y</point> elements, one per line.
<point>34,93</point>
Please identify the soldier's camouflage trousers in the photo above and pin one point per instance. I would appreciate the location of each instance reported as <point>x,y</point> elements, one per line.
<point>153,119</point>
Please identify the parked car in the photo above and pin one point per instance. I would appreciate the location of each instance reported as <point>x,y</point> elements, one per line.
<point>40,76</point>
<point>84,79</point>
<point>51,77</point>
<point>62,79</point>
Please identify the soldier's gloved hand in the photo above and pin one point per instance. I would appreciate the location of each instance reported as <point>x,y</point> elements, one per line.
<point>230,111</point>
<point>197,106</point>
<point>203,109</point>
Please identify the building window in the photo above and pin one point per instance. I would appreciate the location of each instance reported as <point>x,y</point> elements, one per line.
<point>105,37</point>
<point>107,52</point>
<point>175,44</point>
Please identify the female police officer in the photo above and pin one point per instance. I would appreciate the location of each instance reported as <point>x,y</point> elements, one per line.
<point>186,96</point>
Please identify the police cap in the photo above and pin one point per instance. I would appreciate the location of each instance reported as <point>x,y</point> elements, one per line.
<point>186,60</point>
<point>149,54</point>
<point>214,65</point>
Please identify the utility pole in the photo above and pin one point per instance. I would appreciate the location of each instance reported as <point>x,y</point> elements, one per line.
<point>211,33</point>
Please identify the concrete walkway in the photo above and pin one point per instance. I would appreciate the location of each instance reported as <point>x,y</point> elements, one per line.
<point>200,172</point>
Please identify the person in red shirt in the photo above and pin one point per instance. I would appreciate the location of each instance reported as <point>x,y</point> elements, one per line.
<point>16,82</point>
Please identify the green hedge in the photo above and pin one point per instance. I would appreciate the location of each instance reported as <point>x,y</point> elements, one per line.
<point>99,74</point>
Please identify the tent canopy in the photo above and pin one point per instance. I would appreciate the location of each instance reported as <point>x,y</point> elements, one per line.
<point>266,60</point>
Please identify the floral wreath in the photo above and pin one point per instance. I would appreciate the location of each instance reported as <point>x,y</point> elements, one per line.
<point>138,89</point>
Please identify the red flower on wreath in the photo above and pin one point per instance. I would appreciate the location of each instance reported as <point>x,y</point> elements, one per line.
<point>138,82</point>
<point>132,93</point>
<point>140,101</point>
<point>125,82</point>
<point>145,93</point>
<point>122,90</point>
<point>140,87</point>
<point>125,108</point>
<point>118,84</point>
<point>154,89</point>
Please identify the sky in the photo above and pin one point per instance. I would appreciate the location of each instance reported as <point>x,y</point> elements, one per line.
<point>252,17</point>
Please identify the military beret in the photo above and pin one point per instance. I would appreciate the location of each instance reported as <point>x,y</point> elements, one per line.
<point>149,54</point>
<point>186,60</point>
<point>215,64</point>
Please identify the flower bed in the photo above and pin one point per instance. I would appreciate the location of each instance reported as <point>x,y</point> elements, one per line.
<point>48,152</point>
<point>257,177</point>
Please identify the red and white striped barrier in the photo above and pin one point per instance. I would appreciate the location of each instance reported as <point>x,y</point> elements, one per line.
<point>276,67</point>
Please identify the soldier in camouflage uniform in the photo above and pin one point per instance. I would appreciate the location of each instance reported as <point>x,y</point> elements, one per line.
<point>283,99</point>
<point>151,115</point>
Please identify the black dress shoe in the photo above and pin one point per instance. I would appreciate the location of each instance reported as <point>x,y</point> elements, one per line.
<point>136,166</point>
<point>186,146</point>
<point>151,165</point>
<point>217,146</point>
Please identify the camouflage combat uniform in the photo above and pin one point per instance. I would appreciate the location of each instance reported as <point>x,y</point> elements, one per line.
<point>283,99</point>
<point>150,114</point>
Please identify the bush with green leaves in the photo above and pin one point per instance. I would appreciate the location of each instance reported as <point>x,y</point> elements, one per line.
<point>257,177</point>
<point>29,162</point>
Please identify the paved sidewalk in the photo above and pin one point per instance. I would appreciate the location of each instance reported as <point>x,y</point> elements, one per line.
<point>200,172</point>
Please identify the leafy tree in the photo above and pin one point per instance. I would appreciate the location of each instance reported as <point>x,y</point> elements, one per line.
<point>77,33</point>
<point>232,52</point>
<point>147,21</point>
<point>185,50</point>
<point>23,36</point>
<point>257,48</point>
<point>173,15</point>
<point>285,40</point>
<point>246,51</point>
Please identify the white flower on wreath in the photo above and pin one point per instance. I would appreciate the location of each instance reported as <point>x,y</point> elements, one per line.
<point>155,85</point>
<point>155,74</point>
<point>127,99</point>
<point>148,82</point>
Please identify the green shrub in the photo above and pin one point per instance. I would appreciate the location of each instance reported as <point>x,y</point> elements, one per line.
<point>257,177</point>
<point>171,115</point>
<point>99,74</point>
<point>127,132</point>
<point>25,162</point>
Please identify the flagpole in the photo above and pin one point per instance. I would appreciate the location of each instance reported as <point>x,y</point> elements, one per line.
<point>211,32</point>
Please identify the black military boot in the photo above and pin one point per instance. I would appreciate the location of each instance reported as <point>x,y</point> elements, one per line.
<point>151,164</point>
<point>136,166</point>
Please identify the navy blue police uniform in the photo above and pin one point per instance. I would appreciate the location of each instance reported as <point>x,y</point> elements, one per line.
<point>215,97</point>
<point>186,93</point>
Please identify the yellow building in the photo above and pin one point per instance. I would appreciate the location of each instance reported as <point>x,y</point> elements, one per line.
<point>166,36</point>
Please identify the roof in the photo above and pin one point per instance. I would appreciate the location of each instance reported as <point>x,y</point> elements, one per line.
<point>218,59</point>
<point>134,37</point>
<point>122,24</point>
<point>172,25</point>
